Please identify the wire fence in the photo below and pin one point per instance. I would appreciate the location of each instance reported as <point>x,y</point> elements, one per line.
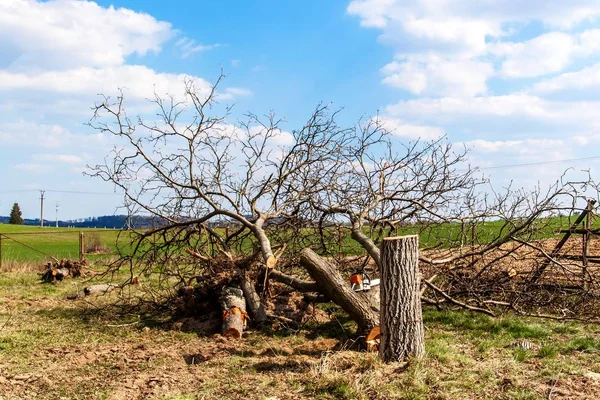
<point>38,248</point>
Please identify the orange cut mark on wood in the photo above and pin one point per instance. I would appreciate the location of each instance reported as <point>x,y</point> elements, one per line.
<point>373,339</point>
<point>271,262</point>
<point>239,312</point>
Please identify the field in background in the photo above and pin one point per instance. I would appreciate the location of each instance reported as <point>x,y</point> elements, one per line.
<point>37,243</point>
<point>32,245</point>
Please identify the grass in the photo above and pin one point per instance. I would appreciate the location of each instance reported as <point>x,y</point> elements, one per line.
<point>52,348</point>
<point>64,242</point>
<point>30,245</point>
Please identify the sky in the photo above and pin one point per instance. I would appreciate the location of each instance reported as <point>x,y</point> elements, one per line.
<point>517,83</point>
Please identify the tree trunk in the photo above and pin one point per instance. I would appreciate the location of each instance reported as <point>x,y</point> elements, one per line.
<point>331,283</point>
<point>233,306</point>
<point>402,333</point>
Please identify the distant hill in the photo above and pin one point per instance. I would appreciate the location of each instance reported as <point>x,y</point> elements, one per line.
<point>105,221</point>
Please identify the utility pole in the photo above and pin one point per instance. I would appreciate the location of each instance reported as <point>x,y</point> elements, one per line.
<point>42,192</point>
<point>57,215</point>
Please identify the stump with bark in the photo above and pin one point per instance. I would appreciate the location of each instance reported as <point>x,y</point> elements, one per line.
<point>233,305</point>
<point>402,332</point>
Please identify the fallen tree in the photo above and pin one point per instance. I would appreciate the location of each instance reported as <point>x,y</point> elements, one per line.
<point>271,213</point>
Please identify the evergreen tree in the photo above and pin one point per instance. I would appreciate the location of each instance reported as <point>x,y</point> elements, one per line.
<point>15,215</point>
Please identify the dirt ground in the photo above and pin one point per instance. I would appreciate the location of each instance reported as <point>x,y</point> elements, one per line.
<point>51,348</point>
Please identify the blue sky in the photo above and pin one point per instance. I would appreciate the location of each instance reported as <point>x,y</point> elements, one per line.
<point>515,82</point>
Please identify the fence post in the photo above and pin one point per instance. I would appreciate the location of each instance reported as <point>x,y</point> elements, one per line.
<point>586,243</point>
<point>0,251</point>
<point>81,246</point>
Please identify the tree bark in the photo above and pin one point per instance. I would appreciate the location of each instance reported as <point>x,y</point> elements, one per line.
<point>257,310</point>
<point>402,332</point>
<point>233,306</point>
<point>331,283</point>
<point>296,283</point>
<point>366,242</point>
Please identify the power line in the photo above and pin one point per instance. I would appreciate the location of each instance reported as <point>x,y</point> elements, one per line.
<point>541,163</point>
<point>60,191</point>
<point>81,192</point>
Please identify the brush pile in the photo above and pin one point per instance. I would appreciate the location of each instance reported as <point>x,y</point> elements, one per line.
<point>61,269</point>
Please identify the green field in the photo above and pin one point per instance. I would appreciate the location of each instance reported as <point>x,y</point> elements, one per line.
<point>35,245</point>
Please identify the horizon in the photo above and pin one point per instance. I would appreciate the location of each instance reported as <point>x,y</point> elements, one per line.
<point>517,84</point>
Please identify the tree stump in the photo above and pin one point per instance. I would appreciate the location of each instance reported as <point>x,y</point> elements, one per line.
<point>402,333</point>
<point>233,305</point>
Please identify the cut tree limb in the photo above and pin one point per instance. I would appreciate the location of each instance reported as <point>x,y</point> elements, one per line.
<point>94,289</point>
<point>456,302</point>
<point>233,305</point>
<point>331,283</point>
<point>255,306</point>
<point>298,284</point>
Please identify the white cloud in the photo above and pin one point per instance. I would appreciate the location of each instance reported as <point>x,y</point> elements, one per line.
<point>33,135</point>
<point>233,92</point>
<point>514,104</point>
<point>410,131</point>
<point>62,34</point>
<point>189,46</point>
<point>542,55</point>
<point>539,147</point>
<point>586,79</point>
<point>547,53</point>
<point>431,74</point>
<point>450,47</point>
<point>138,81</point>
<point>60,158</point>
<point>34,168</point>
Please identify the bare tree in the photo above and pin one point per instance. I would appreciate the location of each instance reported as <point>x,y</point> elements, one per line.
<point>271,191</point>
<point>190,167</point>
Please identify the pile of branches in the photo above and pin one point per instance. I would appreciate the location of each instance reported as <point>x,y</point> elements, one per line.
<point>247,205</point>
<point>62,269</point>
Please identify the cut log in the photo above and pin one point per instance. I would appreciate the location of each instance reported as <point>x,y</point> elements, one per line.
<point>60,273</point>
<point>61,270</point>
<point>257,310</point>
<point>233,306</point>
<point>100,289</point>
<point>402,332</point>
<point>331,283</point>
<point>94,289</point>
<point>373,339</point>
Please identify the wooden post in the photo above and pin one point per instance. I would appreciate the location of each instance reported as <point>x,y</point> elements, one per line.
<point>402,332</point>
<point>81,246</point>
<point>586,243</point>
<point>0,252</point>
<point>473,236</point>
<point>540,270</point>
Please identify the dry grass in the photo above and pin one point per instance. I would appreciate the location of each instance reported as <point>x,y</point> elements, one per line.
<point>50,348</point>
